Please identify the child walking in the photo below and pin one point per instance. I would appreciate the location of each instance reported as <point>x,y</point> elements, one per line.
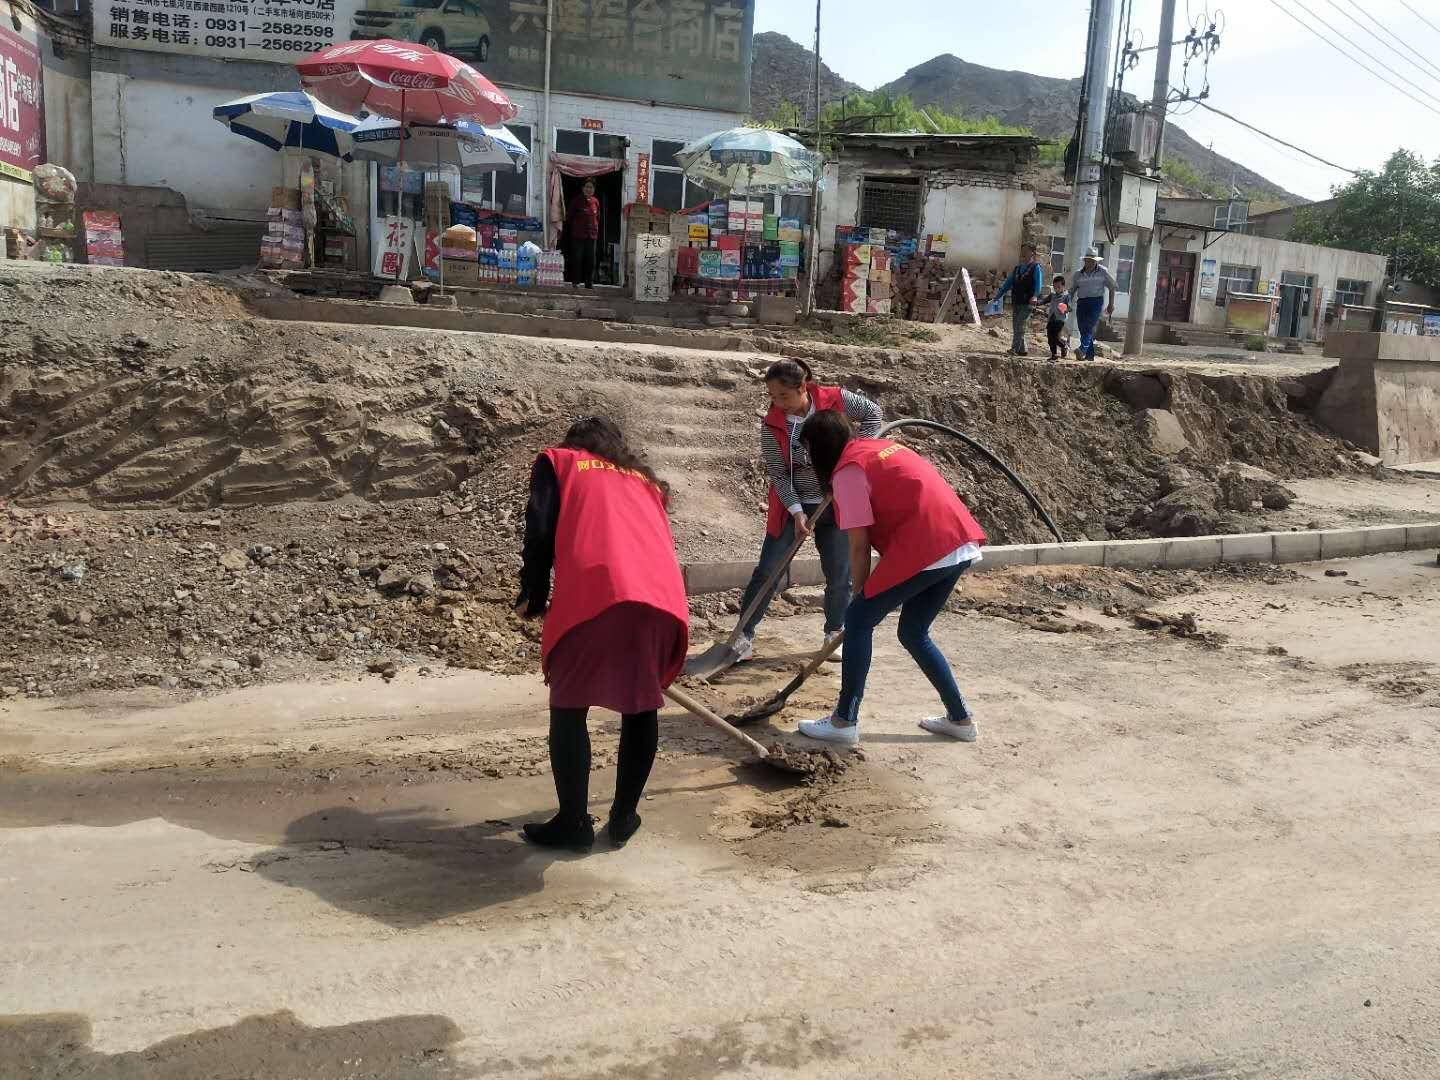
<point>1059,307</point>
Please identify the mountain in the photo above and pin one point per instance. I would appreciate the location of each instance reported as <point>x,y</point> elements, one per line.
<point>1048,106</point>
<point>784,71</point>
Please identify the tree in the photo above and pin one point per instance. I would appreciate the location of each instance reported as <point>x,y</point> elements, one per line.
<point>1394,212</point>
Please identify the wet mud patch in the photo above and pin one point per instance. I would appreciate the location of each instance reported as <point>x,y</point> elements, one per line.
<point>55,1046</point>
<point>846,824</point>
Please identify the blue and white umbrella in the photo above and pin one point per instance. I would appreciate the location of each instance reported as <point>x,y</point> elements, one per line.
<point>471,148</point>
<point>289,118</point>
<point>751,160</point>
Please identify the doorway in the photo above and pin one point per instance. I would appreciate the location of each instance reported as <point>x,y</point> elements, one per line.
<point>1174,282</point>
<point>1295,292</point>
<point>609,190</point>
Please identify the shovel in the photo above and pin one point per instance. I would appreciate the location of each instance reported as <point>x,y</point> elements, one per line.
<point>808,764</point>
<point>723,654</point>
<point>773,704</point>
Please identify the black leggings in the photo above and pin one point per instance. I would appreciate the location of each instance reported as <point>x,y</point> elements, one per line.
<point>570,761</point>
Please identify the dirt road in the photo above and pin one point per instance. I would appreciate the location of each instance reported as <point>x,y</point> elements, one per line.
<point>1169,856</point>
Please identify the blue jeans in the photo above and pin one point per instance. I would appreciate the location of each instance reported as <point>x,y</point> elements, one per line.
<point>1087,316</point>
<point>920,599</point>
<point>834,548</point>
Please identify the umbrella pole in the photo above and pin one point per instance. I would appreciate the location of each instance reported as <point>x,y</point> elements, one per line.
<point>400,196</point>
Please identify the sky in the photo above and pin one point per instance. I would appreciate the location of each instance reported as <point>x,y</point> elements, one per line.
<point>1270,70</point>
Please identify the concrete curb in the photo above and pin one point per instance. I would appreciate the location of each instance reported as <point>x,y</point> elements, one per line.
<point>1180,553</point>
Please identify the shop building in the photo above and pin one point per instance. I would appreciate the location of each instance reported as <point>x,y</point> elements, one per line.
<point>627,83</point>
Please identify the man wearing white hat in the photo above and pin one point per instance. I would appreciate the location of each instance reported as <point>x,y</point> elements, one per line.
<point>1092,283</point>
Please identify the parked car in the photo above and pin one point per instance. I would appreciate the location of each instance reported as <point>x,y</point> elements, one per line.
<point>457,27</point>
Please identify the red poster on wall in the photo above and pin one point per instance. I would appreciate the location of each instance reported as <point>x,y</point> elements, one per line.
<point>642,179</point>
<point>22,106</point>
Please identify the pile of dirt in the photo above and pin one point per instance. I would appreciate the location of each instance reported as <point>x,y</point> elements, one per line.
<point>240,495</point>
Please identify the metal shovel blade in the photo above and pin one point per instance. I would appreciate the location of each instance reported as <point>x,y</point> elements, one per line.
<point>721,656</point>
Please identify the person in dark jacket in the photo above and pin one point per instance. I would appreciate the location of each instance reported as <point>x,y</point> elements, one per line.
<point>1025,284</point>
<point>582,225</point>
<point>616,629</point>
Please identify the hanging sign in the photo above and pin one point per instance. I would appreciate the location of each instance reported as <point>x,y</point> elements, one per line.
<point>652,267</point>
<point>22,107</point>
<point>1209,279</point>
<point>392,252</point>
<point>642,178</point>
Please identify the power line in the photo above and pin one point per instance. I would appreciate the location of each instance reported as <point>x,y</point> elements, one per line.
<point>1364,52</point>
<point>1422,18</point>
<point>1361,63</point>
<point>1275,138</point>
<point>1423,64</point>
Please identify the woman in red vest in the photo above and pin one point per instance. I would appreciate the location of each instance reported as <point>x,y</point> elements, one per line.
<point>889,498</point>
<point>617,626</point>
<point>796,492</point>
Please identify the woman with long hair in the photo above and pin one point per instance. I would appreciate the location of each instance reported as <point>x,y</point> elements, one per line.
<point>795,491</point>
<point>889,498</point>
<point>616,628</point>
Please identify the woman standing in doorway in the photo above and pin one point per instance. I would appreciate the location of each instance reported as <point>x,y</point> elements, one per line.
<point>617,629</point>
<point>795,491</point>
<point>892,500</point>
<point>582,224</point>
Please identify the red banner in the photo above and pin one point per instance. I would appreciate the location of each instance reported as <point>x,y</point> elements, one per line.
<point>22,106</point>
<point>642,179</point>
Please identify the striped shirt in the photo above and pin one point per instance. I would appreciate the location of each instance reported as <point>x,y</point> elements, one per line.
<point>796,483</point>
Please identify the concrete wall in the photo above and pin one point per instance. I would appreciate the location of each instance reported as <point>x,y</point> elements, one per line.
<point>981,213</point>
<point>1386,395</point>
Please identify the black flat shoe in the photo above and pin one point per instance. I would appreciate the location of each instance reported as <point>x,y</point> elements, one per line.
<point>621,829</point>
<point>559,833</point>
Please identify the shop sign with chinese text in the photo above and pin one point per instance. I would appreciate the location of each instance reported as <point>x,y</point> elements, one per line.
<point>22,107</point>
<point>677,52</point>
<point>652,267</point>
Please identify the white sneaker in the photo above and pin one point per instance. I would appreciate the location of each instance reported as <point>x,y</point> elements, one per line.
<point>827,730</point>
<point>744,649</point>
<point>943,725</point>
<point>839,654</point>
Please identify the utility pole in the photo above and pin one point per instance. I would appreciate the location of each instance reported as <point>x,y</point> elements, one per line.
<point>812,254</point>
<point>1085,196</point>
<point>1148,243</point>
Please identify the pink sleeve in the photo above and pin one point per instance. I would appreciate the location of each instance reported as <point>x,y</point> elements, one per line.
<point>852,498</point>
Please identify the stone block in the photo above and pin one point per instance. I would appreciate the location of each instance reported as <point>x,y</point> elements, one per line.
<point>1297,547</point>
<point>1162,429</point>
<point>1422,536</point>
<point>1385,538</point>
<point>1079,553</point>
<point>1191,553</point>
<point>1342,543</point>
<point>606,314</point>
<point>1135,554</point>
<point>1247,548</point>
<point>1005,555</point>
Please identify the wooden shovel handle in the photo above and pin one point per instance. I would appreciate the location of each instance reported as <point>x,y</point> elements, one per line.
<point>685,701</point>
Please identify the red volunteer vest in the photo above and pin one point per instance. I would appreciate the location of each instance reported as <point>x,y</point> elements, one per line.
<point>612,546</point>
<point>918,517</point>
<point>824,397</point>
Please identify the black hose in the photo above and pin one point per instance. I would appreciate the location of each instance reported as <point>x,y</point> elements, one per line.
<point>968,441</point>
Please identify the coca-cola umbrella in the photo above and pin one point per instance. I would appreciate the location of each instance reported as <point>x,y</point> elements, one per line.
<point>404,82</point>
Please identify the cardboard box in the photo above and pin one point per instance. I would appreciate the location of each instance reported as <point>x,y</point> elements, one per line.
<point>878,237</point>
<point>878,307</point>
<point>880,259</point>
<point>710,262</point>
<point>461,272</point>
<point>858,255</point>
<point>885,276</point>
<point>699,232</point>
<point>880,290</point>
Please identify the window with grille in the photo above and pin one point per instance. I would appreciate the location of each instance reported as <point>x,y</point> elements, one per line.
<point>891,204</point>
<point>1233,216</point>
<point>1125,269</point>
<point>1351,292</point>
<point>1235,279</point>
<point>1057,254</point>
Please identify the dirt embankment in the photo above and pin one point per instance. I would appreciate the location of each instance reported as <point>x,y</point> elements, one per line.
<point>197,497</point>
